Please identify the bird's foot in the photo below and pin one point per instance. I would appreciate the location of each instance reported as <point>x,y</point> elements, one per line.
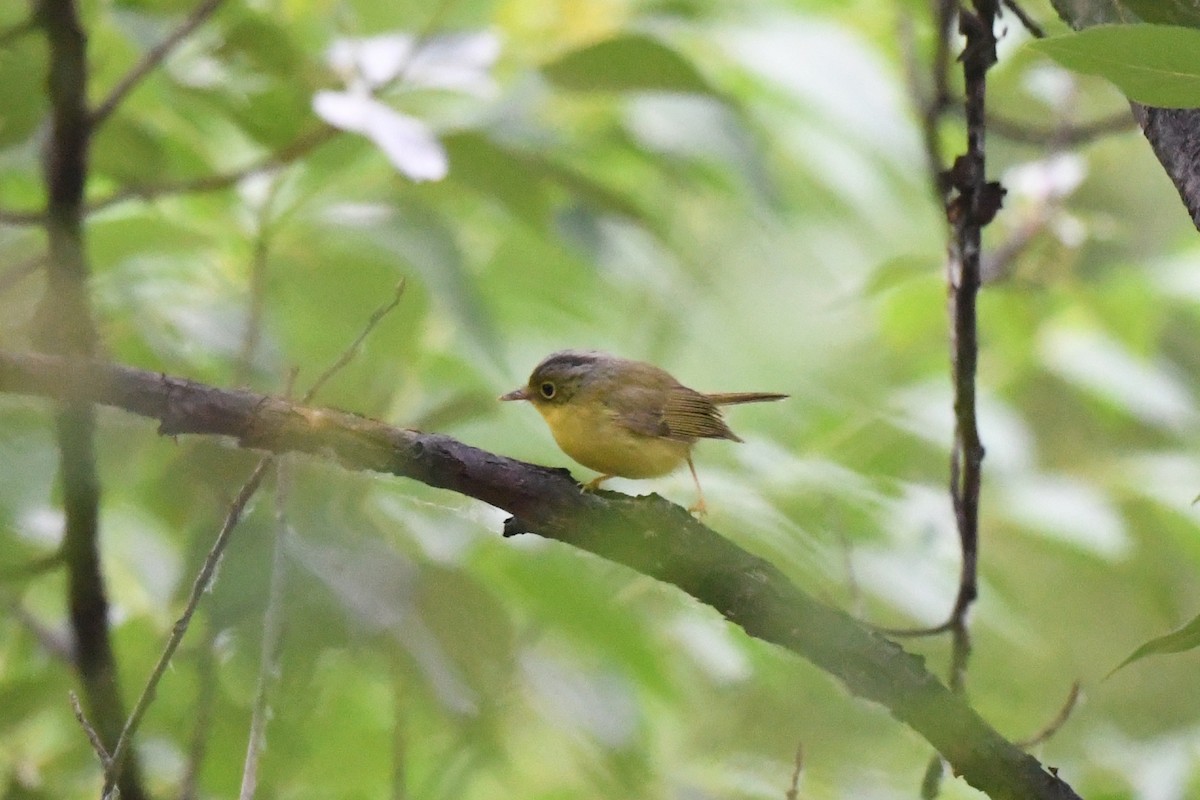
<point>594,483</point>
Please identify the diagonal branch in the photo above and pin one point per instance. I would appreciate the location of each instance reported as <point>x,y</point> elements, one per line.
<point>298,148</point>
<point>150,61</point>
<point>1035,30</point>
<point>1062,135</point>
<point>118,764</point>
<point>645,534</point>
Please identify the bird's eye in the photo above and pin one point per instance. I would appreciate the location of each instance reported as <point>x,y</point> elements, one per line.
<point>547,390</point>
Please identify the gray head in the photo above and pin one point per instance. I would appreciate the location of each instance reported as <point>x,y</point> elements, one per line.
<point>561,374</point>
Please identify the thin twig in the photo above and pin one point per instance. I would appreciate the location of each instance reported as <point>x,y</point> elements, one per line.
<point>89,731</point>
<point>1037,31</point>
<point>1055,725</point>
<point>199,586</point>
<point>56,643</point>
<point>351,351</point>
<point>21,218</point>
<point>1000,263</point>
<point>974,204</point>
<point>302,145</point>
<point>968,200</point>
<point>32,569</point>
<point>150,61</point>
<point>960,651</point>
<point>794,788</point>
<point>913,633</point>
<point>1064,135</point>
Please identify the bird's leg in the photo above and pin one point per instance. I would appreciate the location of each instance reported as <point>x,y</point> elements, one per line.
<point>595,482</point>
<point>699,508</point>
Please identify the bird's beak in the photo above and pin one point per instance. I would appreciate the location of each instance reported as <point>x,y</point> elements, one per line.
<point>516,394</point>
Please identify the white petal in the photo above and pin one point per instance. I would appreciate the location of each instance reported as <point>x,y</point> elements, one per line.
<point>377,59</point>
<point>458,61</point>
<point>347,111</point>
<point>408,144</point>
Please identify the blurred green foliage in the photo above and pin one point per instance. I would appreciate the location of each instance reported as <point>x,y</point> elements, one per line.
<point>739,193</point>
<point>1152,64</point>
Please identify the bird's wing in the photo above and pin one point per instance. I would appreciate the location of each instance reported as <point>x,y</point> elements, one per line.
<point>685,416</point>
<point>691,415</point>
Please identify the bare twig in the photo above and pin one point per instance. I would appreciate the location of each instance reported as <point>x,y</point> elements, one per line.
<point>89,731</point>
<point>1000,263</point>
<point>1034,29</point>
<point>1055,725</point>
<point>150,61</point>
<point>913,633</point>
<point>970,204</point>
<point>304,144</point>
<point>31,569</point>
<point>199,586</point>
<point>1065,135</point>
<point>351,351</point>
<point>56,643</point>
<point>301,146</point>
<point>972,207</point>
<point>960,650</point>
<point>798,765</point>
<point>20,218</point>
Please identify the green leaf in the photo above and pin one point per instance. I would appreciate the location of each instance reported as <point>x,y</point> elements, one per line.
<point>630,63</point>
<point>1166,12</point>
<point>1158,65</point>
<point>128,151</point>
<point>1182,640</point>
<point>899,270</point>
<point>265,43</point>
<point>500,174</point>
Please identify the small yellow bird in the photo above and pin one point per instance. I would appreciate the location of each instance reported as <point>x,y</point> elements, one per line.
<point>625,418</point>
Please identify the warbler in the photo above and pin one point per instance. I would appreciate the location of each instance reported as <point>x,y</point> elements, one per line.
<point>625,418</point>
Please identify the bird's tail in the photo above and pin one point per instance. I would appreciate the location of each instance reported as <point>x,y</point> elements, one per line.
<point>733,398</point>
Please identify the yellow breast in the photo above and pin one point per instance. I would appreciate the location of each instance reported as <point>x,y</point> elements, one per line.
<point>589,434</point>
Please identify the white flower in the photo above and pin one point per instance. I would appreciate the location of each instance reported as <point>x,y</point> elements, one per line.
<point>457,62</point>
